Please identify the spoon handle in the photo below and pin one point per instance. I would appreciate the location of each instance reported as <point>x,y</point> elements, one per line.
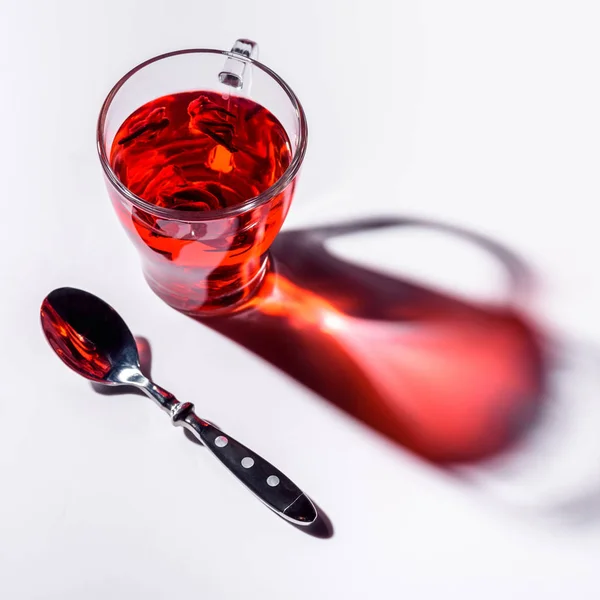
<point>265,481</point>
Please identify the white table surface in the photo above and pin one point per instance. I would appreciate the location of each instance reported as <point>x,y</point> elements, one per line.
<point>481,114</point>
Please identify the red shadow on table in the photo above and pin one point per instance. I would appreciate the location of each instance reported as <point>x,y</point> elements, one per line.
<point>449,379</point>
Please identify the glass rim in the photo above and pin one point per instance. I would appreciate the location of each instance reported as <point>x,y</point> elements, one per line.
<point>190,215</point>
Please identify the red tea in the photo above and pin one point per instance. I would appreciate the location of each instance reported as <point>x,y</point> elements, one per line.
<point>202,151</point>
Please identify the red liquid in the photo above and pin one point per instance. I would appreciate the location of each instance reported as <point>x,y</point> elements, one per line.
<point>73,347</point>
<point>198,151</point>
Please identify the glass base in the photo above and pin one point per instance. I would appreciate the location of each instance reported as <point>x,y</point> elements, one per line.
<point>213,298</point>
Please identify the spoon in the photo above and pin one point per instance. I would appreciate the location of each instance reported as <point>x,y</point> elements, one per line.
<point>92,339</point>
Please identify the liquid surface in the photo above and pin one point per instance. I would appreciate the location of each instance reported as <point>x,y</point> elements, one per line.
<point>200,151</point>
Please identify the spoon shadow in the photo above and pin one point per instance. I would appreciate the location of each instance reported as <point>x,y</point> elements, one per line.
<point>322,528</point>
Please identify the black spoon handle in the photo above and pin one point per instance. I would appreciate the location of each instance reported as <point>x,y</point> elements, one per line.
<point>264,480</point>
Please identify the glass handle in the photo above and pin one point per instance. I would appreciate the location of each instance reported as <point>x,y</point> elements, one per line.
<point>236,73</point>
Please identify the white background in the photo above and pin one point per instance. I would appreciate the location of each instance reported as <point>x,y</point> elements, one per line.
<point>482,114</point>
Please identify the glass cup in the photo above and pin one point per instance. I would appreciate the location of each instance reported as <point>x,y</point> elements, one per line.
<point>204,262</point>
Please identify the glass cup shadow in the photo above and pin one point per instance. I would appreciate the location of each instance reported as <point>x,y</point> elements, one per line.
<point>474,389</point>
<point>473,378</point>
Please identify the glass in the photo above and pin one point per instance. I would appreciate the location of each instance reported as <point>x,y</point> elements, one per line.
<point>208,261</point>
